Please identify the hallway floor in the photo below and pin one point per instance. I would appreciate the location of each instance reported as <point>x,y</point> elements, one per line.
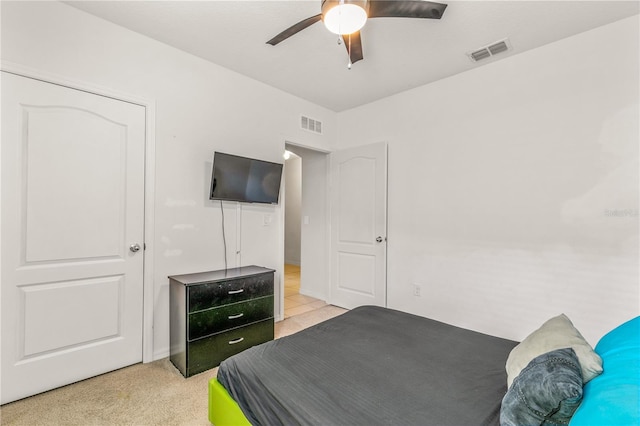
<point>294,302</point>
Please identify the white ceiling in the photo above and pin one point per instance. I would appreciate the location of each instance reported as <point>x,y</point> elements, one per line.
<point>399,53</point>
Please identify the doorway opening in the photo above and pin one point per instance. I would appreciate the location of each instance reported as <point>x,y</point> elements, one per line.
<point>305,228</point>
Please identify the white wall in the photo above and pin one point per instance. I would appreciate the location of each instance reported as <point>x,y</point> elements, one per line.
<point>293,204</point>
<point>200,108</point>
<point>502,181</point>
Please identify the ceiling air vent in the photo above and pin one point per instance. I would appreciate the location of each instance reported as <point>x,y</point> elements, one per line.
<point>490,50</point>
<point>311,125</point>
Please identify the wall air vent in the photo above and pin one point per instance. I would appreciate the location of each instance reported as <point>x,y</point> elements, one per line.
<point>310,124</point>
<point>478,55</point>
<point>490,50</point>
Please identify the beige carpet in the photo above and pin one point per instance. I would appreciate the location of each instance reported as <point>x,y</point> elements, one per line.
<point>143,394</point>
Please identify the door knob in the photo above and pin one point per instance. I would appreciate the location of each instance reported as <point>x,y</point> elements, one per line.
<point>134,247</point>
<point>379,239</point>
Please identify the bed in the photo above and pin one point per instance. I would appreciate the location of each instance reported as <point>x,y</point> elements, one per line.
<point>378,366</point>
<point>369,366</point>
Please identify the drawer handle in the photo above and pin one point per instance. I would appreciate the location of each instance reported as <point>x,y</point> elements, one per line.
<point>233,342</point>
<point>240,315</point>
<point>236,291</point>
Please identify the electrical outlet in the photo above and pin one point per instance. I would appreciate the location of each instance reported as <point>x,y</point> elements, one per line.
<point>416,290</point>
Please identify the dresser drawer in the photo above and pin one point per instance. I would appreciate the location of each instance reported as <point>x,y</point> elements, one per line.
<point>209,352</point>
<point>207,295</point>
<point>215,320</point>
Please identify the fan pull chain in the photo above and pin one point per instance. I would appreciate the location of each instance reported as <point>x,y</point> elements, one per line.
<point>340,31</point>
<point>349,64</point>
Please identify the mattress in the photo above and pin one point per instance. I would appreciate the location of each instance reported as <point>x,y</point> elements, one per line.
<point>372,366</point>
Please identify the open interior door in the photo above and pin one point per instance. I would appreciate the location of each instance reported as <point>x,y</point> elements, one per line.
<point>359,226</point>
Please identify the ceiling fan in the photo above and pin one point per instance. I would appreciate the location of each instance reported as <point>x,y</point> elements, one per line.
<point>347,17</point>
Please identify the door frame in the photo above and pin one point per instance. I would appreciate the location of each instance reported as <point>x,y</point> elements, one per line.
<point>149,182</point>
<point>279,314</point>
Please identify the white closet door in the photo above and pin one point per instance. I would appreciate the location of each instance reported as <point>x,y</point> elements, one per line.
<point>72,206</point>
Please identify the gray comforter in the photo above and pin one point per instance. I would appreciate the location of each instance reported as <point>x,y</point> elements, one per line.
<point>372,366</point>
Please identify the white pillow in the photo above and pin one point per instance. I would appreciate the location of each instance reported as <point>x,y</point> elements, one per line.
<point>556,333</point>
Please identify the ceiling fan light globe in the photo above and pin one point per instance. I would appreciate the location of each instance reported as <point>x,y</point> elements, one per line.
<point>345,18</point>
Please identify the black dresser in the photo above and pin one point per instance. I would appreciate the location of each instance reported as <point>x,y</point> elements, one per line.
<point>217,314</point>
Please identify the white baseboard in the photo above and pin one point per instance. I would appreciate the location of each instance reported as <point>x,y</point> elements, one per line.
<point>157,355</point>
<point>313,294</point>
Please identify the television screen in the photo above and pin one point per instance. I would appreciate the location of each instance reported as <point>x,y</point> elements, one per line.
<point>236,178</point>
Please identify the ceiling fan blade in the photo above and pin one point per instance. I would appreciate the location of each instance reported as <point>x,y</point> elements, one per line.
<point>355,48</point>
<point>405,9</point>
<point>295,29</point>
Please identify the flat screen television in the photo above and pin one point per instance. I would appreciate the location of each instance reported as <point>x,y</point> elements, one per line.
<point>236,178</point>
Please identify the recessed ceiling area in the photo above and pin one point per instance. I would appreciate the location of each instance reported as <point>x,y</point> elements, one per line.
<point>399,53</point>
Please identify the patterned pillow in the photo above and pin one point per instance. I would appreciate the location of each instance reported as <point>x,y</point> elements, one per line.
<point>546,392</point>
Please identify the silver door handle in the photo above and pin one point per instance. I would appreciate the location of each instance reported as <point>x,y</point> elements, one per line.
<point>134,247</point>
<point>379,239</point>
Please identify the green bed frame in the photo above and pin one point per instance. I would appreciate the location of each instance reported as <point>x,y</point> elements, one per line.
<point>223,410</point>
